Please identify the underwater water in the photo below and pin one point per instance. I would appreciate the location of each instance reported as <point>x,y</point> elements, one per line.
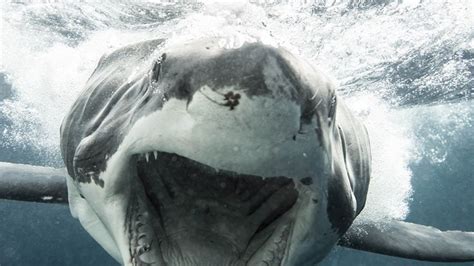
<point>405,67</point>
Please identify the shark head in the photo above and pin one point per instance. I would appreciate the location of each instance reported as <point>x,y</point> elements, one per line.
<point>197,154</point>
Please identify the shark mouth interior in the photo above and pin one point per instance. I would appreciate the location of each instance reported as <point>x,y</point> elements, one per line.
<point>188,213</point>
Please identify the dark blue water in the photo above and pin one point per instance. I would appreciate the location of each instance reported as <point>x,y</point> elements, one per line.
<point>416,60</point>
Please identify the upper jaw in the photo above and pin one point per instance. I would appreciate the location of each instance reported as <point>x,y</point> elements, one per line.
<point>189,212</point>
<point>270,142</point>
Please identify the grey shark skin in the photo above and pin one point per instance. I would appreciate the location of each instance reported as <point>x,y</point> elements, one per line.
<point>196,154</point>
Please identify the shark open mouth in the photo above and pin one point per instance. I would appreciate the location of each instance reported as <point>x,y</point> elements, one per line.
<point>188,213</point>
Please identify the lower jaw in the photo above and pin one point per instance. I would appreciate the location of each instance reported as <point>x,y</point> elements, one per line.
<point>197,231</point>
<point>194,246</point>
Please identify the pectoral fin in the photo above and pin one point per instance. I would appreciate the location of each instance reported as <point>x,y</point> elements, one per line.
<point>412,241</point>
<point>32,183</point>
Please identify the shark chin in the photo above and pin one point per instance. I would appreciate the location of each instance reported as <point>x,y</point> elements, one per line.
<point>183,212</point>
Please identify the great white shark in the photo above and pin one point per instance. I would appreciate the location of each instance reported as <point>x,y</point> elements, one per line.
<point>200,154</point>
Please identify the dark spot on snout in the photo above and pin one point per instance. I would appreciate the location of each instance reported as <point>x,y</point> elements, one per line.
<point>307,181</point>
<point>315,201</point>
<point>232,99</point>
